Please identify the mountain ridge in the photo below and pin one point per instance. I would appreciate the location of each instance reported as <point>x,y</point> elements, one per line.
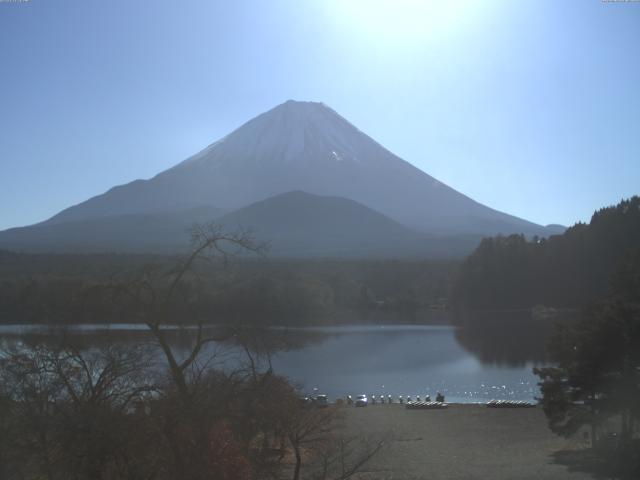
<point>303,146</point>
<point>294,148</point>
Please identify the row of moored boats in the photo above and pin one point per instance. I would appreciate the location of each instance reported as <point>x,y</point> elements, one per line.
<point>426,405</point>
<point>509,404</point>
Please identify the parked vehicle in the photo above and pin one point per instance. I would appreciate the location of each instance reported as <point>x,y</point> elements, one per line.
<point>321,401</point>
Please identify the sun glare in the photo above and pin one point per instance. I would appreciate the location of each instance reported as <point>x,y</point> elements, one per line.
<point>405,20</point>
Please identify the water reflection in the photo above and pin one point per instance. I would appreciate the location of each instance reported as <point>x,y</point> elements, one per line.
<point>513,338</point>
<point>402,360</point>
<point>381,359</point>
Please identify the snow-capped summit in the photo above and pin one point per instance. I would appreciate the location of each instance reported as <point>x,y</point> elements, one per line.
<point>291,132</point>
<point>303,146</point>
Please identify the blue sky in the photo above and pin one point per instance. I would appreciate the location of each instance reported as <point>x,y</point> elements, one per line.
<point>530,107</point>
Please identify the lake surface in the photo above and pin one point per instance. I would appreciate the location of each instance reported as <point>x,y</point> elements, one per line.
<point>351,360</point>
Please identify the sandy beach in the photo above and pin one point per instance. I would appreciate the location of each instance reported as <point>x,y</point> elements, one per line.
<point>462,442</point>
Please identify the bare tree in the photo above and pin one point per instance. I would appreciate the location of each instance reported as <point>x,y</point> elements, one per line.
<point>345,456</point>
<point>318,439</point>
<point>70,411</point>
<point>156,293</point>
<point>159,296</point>
<point>309,428</point>
<point>86,413</point>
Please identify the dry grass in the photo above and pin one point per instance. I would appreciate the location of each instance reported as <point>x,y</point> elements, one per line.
<point>463,442</point>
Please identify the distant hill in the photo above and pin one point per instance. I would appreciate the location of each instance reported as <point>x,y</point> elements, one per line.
<point>554,229</point>
<point>295,224</point>
<point>300,224</point>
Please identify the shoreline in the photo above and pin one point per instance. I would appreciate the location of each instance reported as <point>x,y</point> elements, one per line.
<point>9,328</point>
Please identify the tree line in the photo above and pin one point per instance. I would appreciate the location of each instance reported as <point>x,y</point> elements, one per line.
<point>65,289</point>
<point>594,380</point>
<point>563,271</point>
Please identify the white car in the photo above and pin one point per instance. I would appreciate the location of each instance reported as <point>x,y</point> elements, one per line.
<point>362,401</point>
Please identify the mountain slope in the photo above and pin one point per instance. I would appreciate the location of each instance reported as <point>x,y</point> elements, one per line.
<point>303,146</point>
<point>301,224</point>
<point>293,224</point>
<point>132,233</point>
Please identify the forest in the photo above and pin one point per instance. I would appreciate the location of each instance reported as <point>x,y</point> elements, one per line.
<point>592,381</point>
<point>67,289</point>
<point>563,271</point>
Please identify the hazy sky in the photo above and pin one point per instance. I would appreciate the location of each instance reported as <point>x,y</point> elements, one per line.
<point>530,107</point>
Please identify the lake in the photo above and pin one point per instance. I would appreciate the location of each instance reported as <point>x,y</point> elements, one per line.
<point>350,360</point>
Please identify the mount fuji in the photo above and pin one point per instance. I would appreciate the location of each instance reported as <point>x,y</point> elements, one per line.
<point>294,147</point>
